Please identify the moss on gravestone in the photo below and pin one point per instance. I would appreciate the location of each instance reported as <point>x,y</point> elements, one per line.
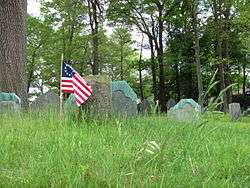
<point>99,103</point>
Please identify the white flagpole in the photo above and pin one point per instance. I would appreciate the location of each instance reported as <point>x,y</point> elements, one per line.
<point>61,93</point>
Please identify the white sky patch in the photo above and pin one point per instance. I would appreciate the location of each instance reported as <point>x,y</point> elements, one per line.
<point>34,7</point>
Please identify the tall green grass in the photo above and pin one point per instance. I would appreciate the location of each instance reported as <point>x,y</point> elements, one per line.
<point>41,150</point>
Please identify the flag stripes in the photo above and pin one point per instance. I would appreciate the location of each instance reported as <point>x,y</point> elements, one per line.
<point>72,82</point>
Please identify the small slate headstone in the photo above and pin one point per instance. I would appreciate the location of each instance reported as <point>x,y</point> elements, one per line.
<point>235,111</point>
<point>47,100</point>
<point>6,106</point>
<point>186,110</point>
<point>171,102</point>
<point>144,106</point>
<point>124,99</point>
<point>9,102</point>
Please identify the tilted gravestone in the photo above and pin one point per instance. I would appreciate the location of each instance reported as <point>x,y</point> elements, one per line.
<point>49,100</point>
<point>235,111</point>
<point>124,99</point>
<point>9,102</point>
<point>144,107</point>
<point>99,103</point>
<point>171,103</point>
<point>186,110</point>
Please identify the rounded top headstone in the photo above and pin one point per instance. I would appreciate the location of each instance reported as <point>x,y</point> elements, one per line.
<point>9,97</point>
<point>125,88</point>
<point>184,102</point>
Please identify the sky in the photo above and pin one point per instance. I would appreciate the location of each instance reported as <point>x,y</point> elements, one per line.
<point>34,7</point>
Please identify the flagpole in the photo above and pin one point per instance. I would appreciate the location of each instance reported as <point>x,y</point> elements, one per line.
<point>61,93</point>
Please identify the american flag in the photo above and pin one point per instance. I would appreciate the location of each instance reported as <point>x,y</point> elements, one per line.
<point>72,82</point>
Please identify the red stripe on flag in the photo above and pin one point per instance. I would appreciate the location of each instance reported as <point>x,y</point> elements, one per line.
<point>80,95</point>
<point>83,92</point>
<point>67,81</point>
<point>82,83</point>
<point>67,91</point>
<point>66,85</point>
<point>78,103</point>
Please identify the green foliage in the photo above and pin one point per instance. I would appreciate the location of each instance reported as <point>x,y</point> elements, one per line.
<point>63,27</point>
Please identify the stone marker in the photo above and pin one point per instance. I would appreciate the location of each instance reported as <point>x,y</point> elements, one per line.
<point>124,99</point>
<point>9,102</point>
<point>235,111</point>
<point>144,107</point>
<point>45,101</point>
<point>70,103</point>
<point>171,102</point>
<point>99,103</point>
<point>186,110</point>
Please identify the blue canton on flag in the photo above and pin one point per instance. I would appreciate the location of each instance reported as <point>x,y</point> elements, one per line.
<point>67,71</point>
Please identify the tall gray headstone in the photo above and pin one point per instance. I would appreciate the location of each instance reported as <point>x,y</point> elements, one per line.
<point>235,111</point>
<point>123,105</point>
<point>124,99</point>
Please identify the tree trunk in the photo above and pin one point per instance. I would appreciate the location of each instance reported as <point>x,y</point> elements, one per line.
<point>12,48</point>
<point>140,69</point>
<point>229,92</point>
<point>121,61</point>
<point>153,68</point>
<point>162,89</point>
<point>94,24</point>
<point>197,56</point>
<point>222,78</point>
<point>178,90</point>
<point>218,31</point>
<point>95,40</point>
<point>31,73</point>
<point>244,79</point>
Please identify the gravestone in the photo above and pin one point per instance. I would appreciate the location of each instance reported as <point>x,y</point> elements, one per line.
<point>186,110</point>
<point>70,103</point>
<point>9,102</point>
<point>144,107</point>
<point>235,111</point>
<point>171,102</point>
<point>49,100</point>
<point>100,102</point>
<point>124,99</point>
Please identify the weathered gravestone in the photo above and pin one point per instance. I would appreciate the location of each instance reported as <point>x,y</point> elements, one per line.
<point>171,103</point>
<point>186,110</point>
<point>123,99</point>
<point>99,103</point>
<point>49,100</point>
<point>235,111</point>
<point>246,112</point>
<point>9,102</point>
<point>144,107</point>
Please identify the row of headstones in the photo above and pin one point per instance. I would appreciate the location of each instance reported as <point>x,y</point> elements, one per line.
<point>122,101</point>
<point>188,110</point>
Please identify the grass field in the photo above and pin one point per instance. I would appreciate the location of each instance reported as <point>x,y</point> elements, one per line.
<point>44,151</point>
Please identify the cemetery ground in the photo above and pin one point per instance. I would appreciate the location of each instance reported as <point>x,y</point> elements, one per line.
<point>39,150</point>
